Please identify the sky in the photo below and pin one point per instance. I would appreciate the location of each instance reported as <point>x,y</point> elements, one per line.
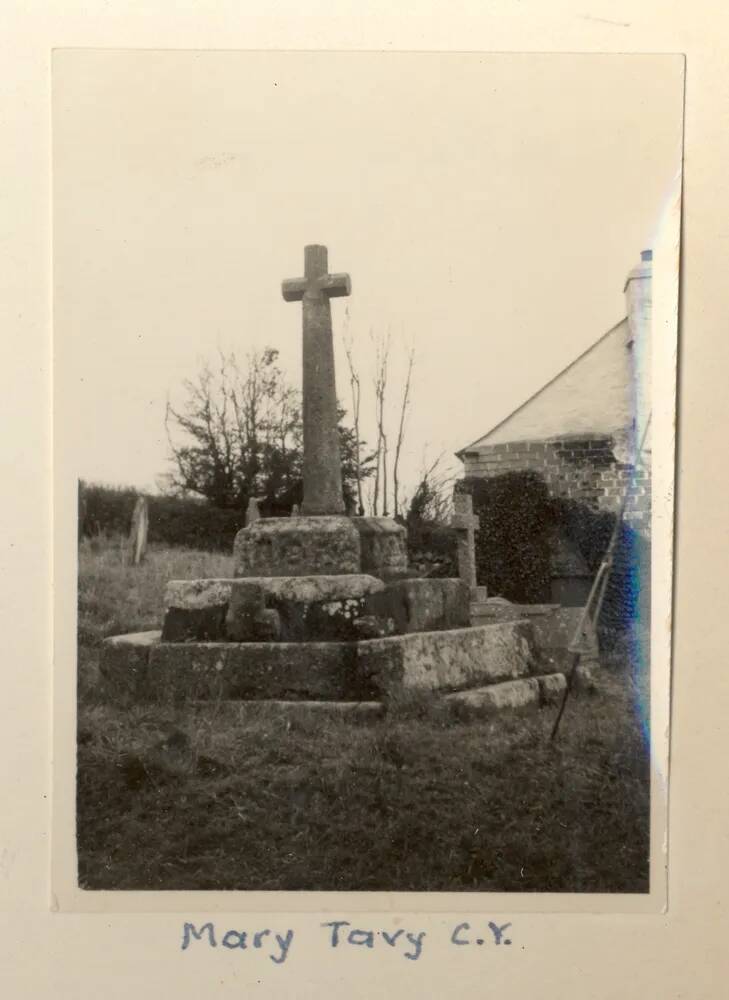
<point>487,207</point>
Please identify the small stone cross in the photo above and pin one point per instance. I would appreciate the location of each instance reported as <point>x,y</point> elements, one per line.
<point>466,524</point>
<point>322,460</point>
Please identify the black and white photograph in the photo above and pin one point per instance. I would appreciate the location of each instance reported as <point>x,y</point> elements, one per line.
<point>364,417</point>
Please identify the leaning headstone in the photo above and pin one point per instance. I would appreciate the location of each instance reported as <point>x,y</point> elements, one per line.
<point>252,513</point>
<point>466,525</point>
<point>139,530</point>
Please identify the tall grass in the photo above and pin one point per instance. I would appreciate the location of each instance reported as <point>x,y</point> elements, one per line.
<point>114,596</point>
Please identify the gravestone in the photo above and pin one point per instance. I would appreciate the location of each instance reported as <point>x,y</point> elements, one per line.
<point>138,531</point>
<point>466,525</point>
<point>252,512</point>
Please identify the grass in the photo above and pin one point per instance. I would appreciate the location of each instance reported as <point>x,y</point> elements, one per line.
<point>223,797</point>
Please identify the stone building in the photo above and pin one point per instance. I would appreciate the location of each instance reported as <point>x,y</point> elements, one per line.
<point>581,433</point>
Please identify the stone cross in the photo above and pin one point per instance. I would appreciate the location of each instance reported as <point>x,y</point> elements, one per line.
<point>466,524</point>
<point>322,459</point>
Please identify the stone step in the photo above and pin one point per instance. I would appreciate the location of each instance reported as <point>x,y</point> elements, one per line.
<point>140,667</point>
<point>525,691</point>
<point>349,710</point>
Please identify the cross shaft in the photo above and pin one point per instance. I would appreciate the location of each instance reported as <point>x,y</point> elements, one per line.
<point>322,460</point>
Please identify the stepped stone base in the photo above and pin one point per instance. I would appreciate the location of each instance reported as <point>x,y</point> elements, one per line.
<point>166,671</point>
<point>422,605</point>
<point>341,608</point>
<point>297,546</point>
<point>141,667</point>
<point>457,658</point>
<point>315,546</point>
<point>383,546</point>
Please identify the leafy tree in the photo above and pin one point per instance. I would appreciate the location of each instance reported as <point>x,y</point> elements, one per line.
<point>238,434</point>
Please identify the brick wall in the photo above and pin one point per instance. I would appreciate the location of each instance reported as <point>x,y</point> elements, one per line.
<point>583,469</point>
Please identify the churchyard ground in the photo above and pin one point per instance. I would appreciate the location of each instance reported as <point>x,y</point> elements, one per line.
<point>219,797</point>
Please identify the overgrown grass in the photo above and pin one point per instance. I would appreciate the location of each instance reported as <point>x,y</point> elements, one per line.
<point>115,596</point>
<point>239,797</point>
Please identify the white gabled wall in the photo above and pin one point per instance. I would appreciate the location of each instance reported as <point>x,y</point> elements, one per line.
<point>604,391</point>
<point>591,396</point>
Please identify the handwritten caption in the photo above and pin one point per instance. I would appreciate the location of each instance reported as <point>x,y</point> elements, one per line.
<point>277,945</point>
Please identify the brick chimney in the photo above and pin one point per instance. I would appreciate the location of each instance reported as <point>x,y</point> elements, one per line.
<point>638,298</point>
<point>638,304</point>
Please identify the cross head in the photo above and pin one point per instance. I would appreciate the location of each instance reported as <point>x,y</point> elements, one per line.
<point>317,282</point>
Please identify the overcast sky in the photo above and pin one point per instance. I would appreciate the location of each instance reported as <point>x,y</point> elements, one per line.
<point>486,207</point>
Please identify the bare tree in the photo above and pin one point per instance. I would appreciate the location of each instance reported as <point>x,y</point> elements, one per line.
<point>385,485</point>
<point>356,391</point>
<point>432,500</point>
<point>401,431</point>
<point>381,345</point>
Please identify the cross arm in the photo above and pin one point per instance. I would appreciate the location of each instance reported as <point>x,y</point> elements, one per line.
<point>335,285</point>
<point>293,289</point>
<point>465,522</point>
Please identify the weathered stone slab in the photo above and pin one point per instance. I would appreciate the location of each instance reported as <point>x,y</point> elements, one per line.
<point>260,609</point>
<point>123,666</point>
<point>195,610</point>
<point>551,688</point>
<point>451,659</point>
<point>383,546</point>
<point>197,594</point>
<point>553,625</point>
<point>422,605</point>
<point>315,589</point>
<point>277,670</point>
<point>140,667</point>
<point>245,612</point>
<point>497,697</point>
<point>301,546</point>
<point>323,608</point>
